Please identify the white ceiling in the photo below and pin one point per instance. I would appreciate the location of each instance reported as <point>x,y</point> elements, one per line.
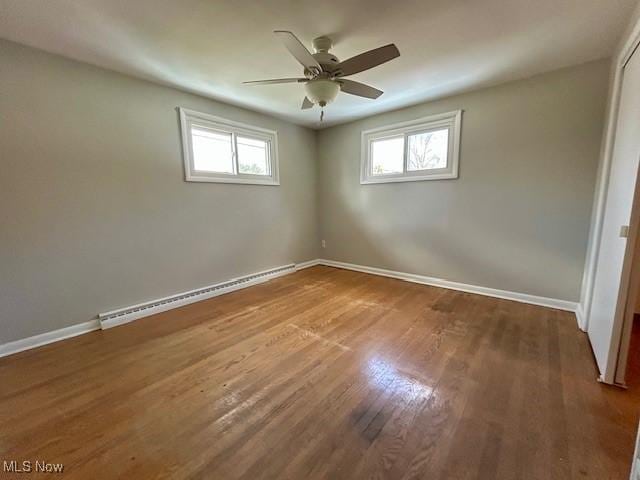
<point>211,46</point>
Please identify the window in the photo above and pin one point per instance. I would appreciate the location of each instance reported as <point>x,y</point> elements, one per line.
<point>219,150</point>
<point>423,149</point>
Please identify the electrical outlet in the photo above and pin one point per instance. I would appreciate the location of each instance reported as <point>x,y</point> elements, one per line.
<point>324,244</point>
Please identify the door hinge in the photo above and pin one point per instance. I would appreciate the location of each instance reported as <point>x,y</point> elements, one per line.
<point>624,231</point>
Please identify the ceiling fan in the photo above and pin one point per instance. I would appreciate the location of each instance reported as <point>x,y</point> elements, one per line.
<point>324,73</point>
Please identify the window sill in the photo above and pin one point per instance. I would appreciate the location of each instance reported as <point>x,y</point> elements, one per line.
<point>416,178</point>
<point>241,181</point>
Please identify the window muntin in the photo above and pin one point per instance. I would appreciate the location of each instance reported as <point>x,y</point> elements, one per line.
<point>220,150</point>
<point>422,149</point>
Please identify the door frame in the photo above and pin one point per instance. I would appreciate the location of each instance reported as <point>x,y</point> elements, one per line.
<point>583,312</point>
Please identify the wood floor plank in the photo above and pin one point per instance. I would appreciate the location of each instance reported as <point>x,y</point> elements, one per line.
<point>325,373</point>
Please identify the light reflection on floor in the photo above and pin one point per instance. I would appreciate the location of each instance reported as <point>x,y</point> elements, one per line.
<point>385,375</point>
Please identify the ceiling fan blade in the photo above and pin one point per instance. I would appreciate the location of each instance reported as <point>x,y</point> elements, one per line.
<point>298,50</point>
<point>368,60</point>
<point>276,80</point>
<point>359,89</point>
<point>306,104</point>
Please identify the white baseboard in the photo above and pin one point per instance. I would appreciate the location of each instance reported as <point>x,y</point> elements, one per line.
<point>462,287</point>
<point>48,337</point>
<point>580,317</point>
<point>307,264</point>
<point>134,312</point>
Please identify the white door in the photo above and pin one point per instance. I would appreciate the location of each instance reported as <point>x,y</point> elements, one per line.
<point>620,193</point>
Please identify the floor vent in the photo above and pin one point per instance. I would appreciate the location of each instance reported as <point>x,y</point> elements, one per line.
<point>128,314</point>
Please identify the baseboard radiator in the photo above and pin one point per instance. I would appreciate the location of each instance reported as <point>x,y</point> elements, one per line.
<point>134,312</point>
<point>128,314</point>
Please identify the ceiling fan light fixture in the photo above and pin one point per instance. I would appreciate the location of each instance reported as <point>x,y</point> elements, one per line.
<point>322,91</point>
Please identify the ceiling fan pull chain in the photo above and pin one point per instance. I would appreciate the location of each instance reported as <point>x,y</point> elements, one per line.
<point>321,114</point>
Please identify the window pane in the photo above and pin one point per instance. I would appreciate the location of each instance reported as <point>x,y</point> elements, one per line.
<point>387,156</point>
<point>253,156</point>
<point>428,150</point>
<point>211,151</point>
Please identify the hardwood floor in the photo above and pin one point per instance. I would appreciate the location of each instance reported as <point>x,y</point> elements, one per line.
<point>324,373</point>
<point>633,363</point>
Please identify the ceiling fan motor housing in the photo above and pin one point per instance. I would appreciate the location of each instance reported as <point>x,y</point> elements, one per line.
<point>321,46</point>
<point>328,61</point>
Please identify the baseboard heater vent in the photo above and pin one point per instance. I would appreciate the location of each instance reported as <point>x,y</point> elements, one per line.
<point>128,314</point>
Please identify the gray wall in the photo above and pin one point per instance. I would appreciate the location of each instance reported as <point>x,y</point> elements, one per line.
<point>96,215</point>
<point>517,218</point>
<point>94,210</point>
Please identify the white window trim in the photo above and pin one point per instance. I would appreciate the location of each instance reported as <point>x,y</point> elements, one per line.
<point>451,120</point>
<point>187,117</point>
